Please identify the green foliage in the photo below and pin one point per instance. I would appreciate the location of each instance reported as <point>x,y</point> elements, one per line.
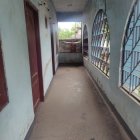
<point>66,33</point>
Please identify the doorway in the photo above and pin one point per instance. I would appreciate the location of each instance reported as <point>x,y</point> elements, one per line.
<point>85,42</point>
<point>52,48</point>
<point>32,25</point>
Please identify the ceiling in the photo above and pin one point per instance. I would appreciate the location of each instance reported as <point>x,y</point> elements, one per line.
<point>69,5</point>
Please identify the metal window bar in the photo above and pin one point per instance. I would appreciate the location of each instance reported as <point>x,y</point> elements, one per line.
<point>101,43</point>
<point>131,54</point>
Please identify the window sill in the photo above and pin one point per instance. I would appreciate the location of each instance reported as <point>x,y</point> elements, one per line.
<point>131,96</point>
<point>100,71</point>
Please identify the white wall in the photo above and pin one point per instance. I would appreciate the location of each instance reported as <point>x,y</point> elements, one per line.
<point>54,23</point>
<point>17,117</point>
<point>117,13</point>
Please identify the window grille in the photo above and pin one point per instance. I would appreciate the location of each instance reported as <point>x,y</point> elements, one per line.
<point>130,78</point>
<point>100,53</point>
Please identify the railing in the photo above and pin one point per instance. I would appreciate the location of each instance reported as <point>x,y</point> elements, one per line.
<point>70,46</point>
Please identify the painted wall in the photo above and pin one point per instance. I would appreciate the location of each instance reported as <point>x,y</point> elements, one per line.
<point>70,58</point>
<point>17,117</point>
<point>54,23</point>
<point>117,13</point>
<point>70,51</point>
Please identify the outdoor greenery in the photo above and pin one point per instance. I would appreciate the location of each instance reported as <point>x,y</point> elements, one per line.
<point>68,33</point>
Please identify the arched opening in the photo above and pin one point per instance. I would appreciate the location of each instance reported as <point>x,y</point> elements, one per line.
<point>130,77</point>
<point>85,42</point>
<point>100,51</point>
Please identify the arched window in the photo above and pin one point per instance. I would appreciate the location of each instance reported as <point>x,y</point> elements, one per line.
<point>130,78</point>
<point>101,43</point>
<point>85,41</point>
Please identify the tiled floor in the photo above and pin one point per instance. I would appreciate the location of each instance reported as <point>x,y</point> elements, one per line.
<point>73,110</point>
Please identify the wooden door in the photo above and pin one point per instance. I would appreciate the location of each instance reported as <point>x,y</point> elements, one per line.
<point>52,48</point>
<point>3,86</point>
<point>31,24</point>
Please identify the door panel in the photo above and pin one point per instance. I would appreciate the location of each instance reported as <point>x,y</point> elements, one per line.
<point>32,45</point>
<point>52,48</point>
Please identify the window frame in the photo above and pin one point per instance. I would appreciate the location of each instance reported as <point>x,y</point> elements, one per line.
<point>100,55</point>
<point>132,51</point>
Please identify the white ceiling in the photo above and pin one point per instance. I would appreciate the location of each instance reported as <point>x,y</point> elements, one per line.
<point>69,5</point>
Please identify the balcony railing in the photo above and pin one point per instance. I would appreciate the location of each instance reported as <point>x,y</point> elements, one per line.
<point>70,46</point>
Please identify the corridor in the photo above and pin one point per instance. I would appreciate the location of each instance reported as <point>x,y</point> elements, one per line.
<point>74,110</point>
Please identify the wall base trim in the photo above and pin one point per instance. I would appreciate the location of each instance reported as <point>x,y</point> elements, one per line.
<point>27,137</point>
<point>111,107</point>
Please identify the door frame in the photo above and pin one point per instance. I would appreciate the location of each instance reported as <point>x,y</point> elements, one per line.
<point>52,49</point>
<point>39,59</point>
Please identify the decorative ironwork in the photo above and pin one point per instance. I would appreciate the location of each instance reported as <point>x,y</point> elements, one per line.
<point>85,41</point>
<point>130,79</point>
<point>101,43</point>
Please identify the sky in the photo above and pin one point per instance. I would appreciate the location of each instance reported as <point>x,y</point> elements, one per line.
<point>65,25</point>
